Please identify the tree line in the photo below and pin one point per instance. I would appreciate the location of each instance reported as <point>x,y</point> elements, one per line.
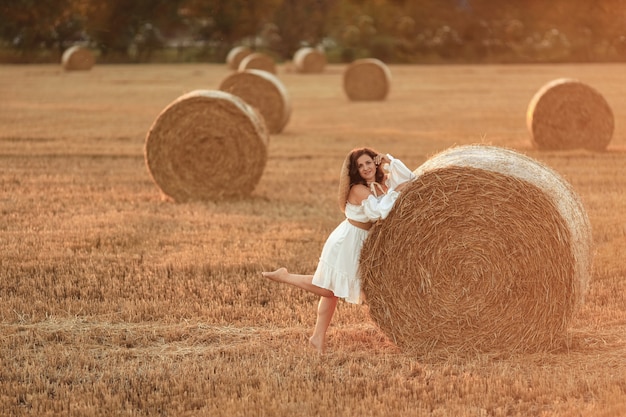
<point>393,30</point>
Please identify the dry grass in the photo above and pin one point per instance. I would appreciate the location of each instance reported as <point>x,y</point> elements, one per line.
<point>114,302</point>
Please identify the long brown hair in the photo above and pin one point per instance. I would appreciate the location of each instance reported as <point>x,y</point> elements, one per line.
<point>355,177</point>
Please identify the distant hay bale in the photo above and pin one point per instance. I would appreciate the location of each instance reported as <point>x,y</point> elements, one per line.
<point>309,60</point>
<point>235,55</point>
<point>487,250</point>
<point>259,61</point>
<point>265,92</point>
<point>77,58</point>
<point>567,114</point>
<point>367,79</point>
<point>207,145</point>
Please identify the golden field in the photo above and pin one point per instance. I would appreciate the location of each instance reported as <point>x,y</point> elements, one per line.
<point>114,301</point>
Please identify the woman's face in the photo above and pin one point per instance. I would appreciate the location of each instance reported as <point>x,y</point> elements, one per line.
<point>367,168</point>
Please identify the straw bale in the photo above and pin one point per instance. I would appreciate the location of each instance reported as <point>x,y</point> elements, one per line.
<point>235,55</point>
<point>77,58</point>
<point>568,114</point>
<point>486,251</point>
<point>259,61</point>
<point>207,144</point>
<point>309,60</point>
<point>265,92</point>
<point>367,79</point>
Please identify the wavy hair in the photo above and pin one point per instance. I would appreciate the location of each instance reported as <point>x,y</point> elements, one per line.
<point>355,177</point>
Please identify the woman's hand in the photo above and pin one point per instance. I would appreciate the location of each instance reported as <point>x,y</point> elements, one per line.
<point>381,159</point>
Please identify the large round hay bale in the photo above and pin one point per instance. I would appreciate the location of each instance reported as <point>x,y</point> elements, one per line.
<point>235,55</point>
<point>486,251</point>
<point>568,114</point>
<point>367,79</point>
<point>207,145</point>
<point>265,92</point>
<point>259,61</point>
<point>309,60</point>
<point>78,58</point>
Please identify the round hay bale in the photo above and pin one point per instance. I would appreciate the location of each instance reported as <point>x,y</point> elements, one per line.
<point>77,58</point>
<point>367,79</point>
<point>568,114</point>
<point>207,145</point>
<point>263,91</point>
<point>235,55</point>
<point>259,61</point>
<point>309,60</point>
<point>487,250</point>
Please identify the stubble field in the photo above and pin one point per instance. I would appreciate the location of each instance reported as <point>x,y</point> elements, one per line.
<point>114,301</point>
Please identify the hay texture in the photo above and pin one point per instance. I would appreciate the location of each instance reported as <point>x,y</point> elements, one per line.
<point>309,61</point>
<point>567,114</point>
<point>259,61</point>
<point>367,79</point>
<point>235,55</point>
<point>78,58</point>
<point>207,145</point>
<point>265,92</point>
<point>486,251</point>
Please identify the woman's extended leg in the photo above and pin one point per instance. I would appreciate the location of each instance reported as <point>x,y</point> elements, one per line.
<point>325,311</point>
<point>301,281</point>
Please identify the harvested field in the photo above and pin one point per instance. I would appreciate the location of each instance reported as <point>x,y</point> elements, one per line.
<point>116,302</point>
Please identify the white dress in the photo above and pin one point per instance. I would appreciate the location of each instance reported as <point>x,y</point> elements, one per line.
<point>338,267</point>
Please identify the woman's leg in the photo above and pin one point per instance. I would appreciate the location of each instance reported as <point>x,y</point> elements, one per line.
<point>301,281</point>
<point>325,311</point>
<point>325,308</point>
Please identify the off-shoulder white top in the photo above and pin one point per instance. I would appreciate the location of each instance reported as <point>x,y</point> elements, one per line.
<point>378,207</point>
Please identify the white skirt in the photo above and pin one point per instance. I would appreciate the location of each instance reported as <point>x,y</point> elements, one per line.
<point>338,267</point>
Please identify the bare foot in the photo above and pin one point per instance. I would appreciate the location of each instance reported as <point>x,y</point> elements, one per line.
<point>318,345</point>
<point>279,275</point>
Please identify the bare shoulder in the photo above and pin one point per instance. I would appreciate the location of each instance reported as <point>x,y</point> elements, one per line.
<point>358,193</point>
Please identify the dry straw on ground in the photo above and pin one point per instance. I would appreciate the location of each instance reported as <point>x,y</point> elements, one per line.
<point>207,145</point>
<point>367,79</point>
<point>259,61</point>
<point>265,92</point>
<point>309,60</point>
<point>486,251</point>
<point>568,114</point>
<point>78,58</point>
<point>235,55</point>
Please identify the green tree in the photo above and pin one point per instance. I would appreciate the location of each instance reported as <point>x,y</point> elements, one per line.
<point>229,21</point>
<point>38,24</point>
<point>116,25</point>
<point>303,22</point>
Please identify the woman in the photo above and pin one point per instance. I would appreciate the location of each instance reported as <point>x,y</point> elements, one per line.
<point>369,185</point>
